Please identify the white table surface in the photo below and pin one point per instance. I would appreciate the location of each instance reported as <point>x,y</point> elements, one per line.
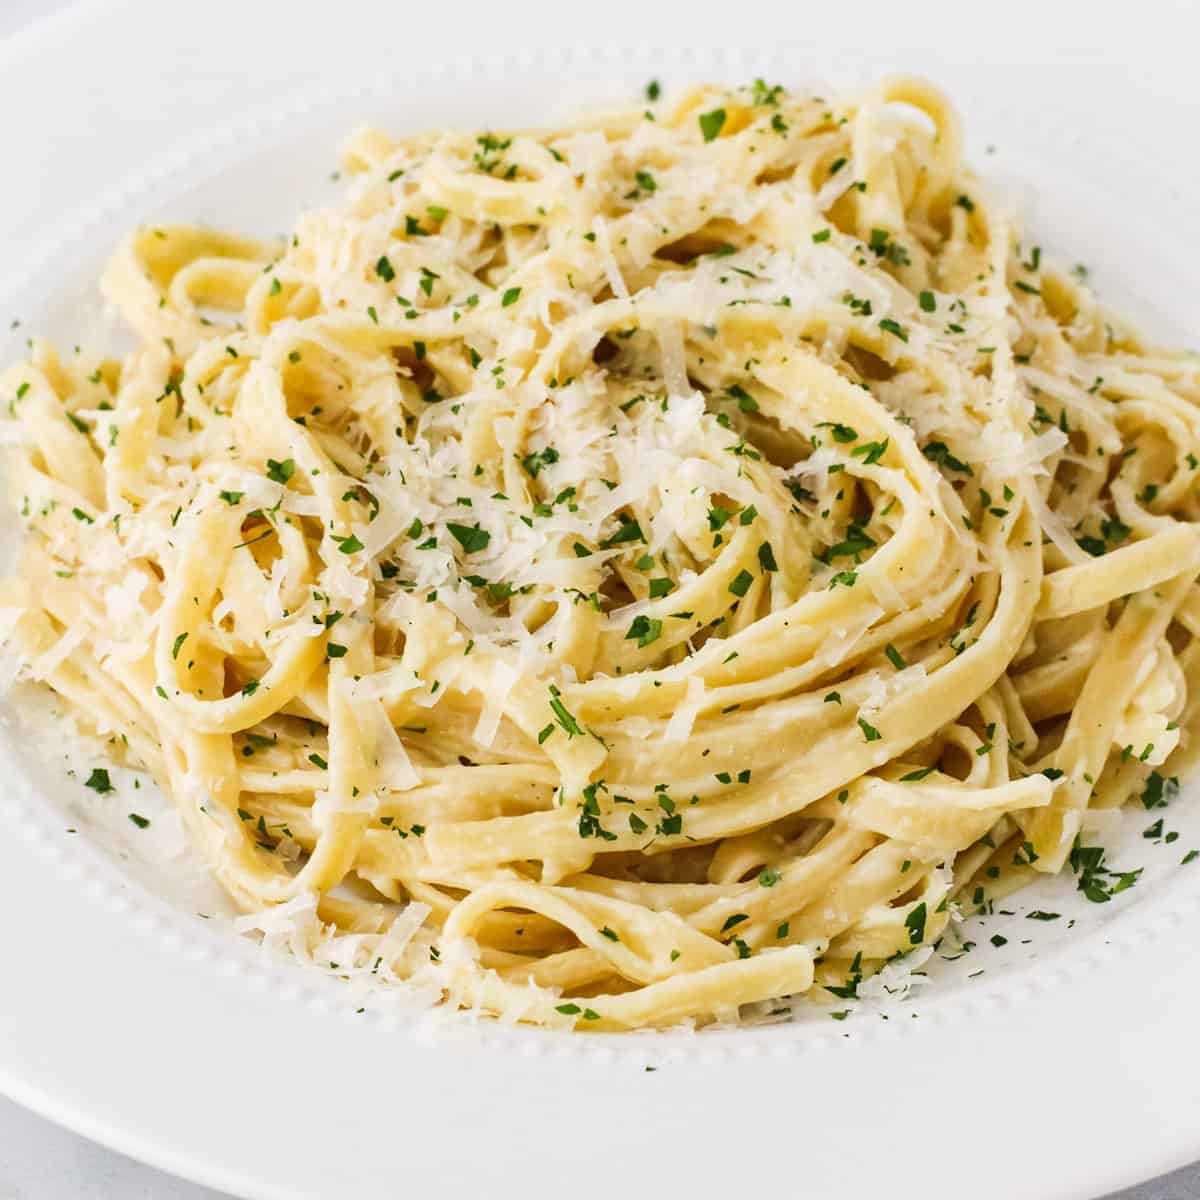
<point>41,1161</point>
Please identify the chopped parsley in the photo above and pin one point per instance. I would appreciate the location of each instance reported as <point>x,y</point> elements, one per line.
<point>914,922</point>
<point>939,452</point>
<point>740,584</point>
<point>628,531</point>
<point>280,472</point>
<point>711,123</point>
<point>470,537</point>
<point>745,401</point>
<point>539,459</point>
<point>1159,790</point>
<point>562,716</point>
<point>99,781</point>
<point>856,542</point>
<point>645,630</point>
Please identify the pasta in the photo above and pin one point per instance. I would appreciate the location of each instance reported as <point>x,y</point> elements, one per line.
<point>620,574</point>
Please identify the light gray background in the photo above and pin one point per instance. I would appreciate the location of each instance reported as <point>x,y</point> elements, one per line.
<point>40,1161</point>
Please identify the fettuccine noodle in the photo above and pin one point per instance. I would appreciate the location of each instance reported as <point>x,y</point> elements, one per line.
<point>617,574</point>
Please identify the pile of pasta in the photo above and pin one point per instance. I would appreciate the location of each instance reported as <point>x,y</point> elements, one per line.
<point>618,574</point>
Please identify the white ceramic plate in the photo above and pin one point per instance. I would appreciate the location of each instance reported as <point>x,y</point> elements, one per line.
<point>1062,1066</point>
